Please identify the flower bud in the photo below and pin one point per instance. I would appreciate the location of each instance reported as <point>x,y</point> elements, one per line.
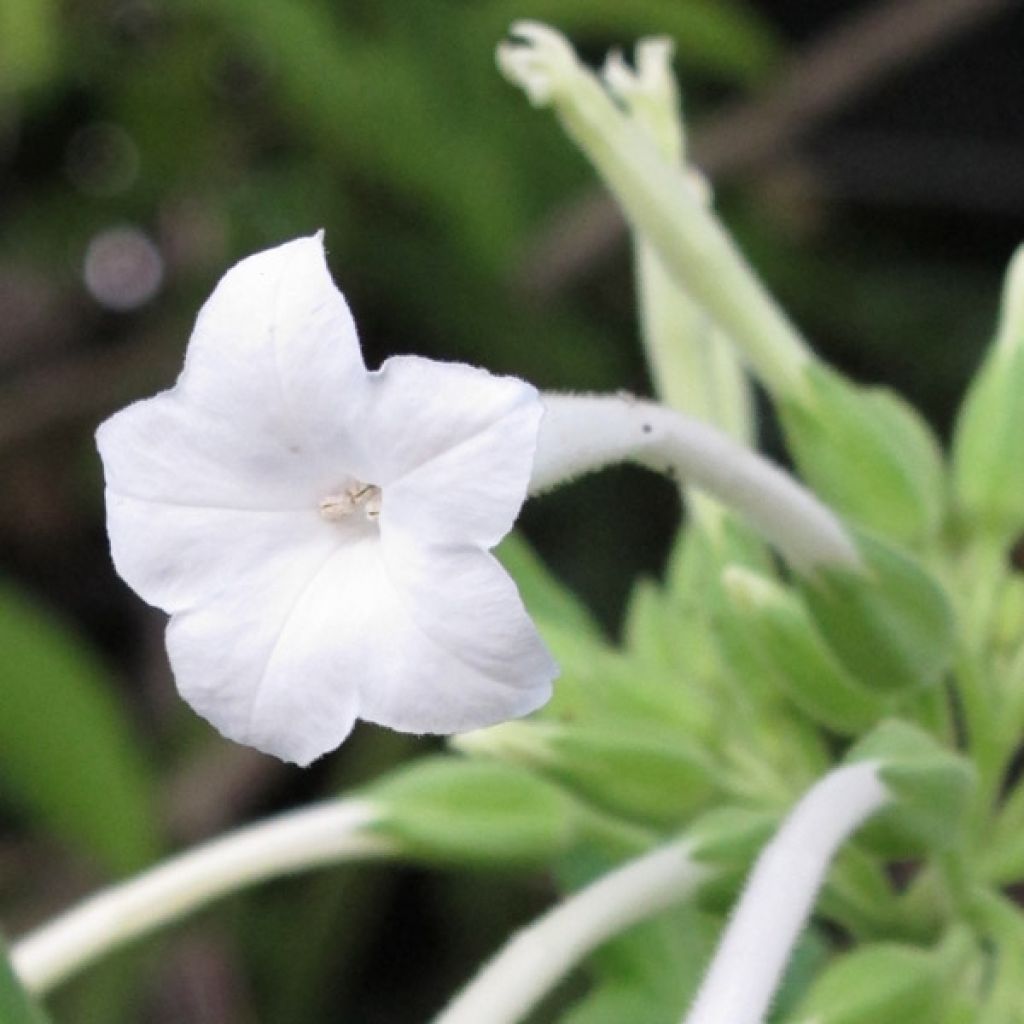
<point>891,625</point>
<point>931,787</point>
<point>457,810</point>
<point>987,471</point>
<point>693,364</point>
<point>867,453</point>
<point>730,837</point>
<point>657,196</point>
<point>646,777</point>
<point>794,658</point>
<point>883,983</point>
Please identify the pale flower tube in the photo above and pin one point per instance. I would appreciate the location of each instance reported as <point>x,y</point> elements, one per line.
<point>753,953</point>
<point>540,955</point>
<point>329,833</point>
<point>320,534</point>
<point>583,433</point>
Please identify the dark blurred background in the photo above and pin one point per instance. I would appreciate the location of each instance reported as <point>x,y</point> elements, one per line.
<point>869,157</point>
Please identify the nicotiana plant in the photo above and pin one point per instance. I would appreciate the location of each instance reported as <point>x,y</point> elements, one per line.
<point>790,794</point>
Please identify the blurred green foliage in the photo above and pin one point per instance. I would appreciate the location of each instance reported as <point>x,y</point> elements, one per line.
<point>70,758</point>
<point>15,1005</point>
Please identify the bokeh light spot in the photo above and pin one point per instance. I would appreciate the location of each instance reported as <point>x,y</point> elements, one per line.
<point>123,268</point>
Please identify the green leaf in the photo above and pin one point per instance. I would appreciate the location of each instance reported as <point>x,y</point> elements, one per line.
<point>792,655</point>
<point>457,809</point>
<point>868,454</point>
<point>880,983</point>
<point>988,474</point>
<point>597,682</point>
<point>892,625</point>
<point>729,838</point>
<point>809,956</point>
<point>616,1001</point>
<point>607,688</point>
<point>16,1006</point>
<point>68,754</point>
<point>547,599</point>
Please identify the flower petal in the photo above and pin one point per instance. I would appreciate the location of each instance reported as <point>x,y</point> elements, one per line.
<point>473,655</point>
<point>453,448</point>
<point>191,502</point>
<point>177,556</point>
<point>276,659</point>
<point>163,450</point>
<point>287,656</point>
<point>275,350</point>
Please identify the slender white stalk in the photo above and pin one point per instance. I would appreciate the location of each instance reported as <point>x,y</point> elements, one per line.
<point>582,433</point>
<point>543,953</point>
<point>319,835</point>
<point>780,893</point>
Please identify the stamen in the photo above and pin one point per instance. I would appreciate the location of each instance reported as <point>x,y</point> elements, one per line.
<point>336,507</point>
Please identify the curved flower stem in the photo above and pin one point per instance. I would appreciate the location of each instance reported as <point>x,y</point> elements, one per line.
<point>582,433</point>
<point>780,893</point>
<point>315,836</point>
<point>540,955</point>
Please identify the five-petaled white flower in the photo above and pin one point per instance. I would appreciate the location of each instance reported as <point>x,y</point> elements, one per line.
<point>320,533</point>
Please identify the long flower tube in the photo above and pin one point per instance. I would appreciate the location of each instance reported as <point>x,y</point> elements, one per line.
<point>324,834</point>
<point>543,953</point>
<point>582,433</point>
<point>753,953</point>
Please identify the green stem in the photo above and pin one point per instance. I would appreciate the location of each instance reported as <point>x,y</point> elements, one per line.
<point>981,711</point>
<point>1002,862</point>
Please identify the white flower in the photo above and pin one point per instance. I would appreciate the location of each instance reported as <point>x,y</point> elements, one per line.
<point>320,533</point>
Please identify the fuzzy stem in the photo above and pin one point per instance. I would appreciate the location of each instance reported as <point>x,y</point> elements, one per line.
<point>582,433</point>
<point>312,837</point>
<point>540,955</point>
<point>780,893</point>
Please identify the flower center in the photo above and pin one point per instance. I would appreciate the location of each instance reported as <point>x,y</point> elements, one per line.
<point>356,497</point>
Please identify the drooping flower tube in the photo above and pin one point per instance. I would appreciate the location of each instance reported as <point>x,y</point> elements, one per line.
<point>320,533</point>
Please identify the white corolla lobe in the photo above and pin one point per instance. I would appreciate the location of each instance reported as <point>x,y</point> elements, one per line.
<point>320,533</point>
